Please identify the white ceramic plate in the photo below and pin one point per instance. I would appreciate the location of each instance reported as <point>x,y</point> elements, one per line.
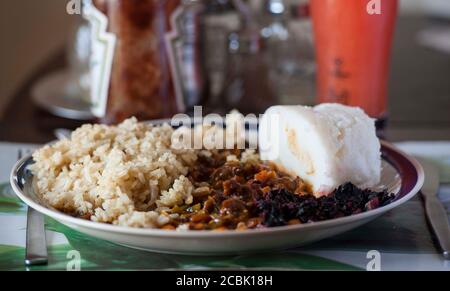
<point>59,94</point>
<point>401,174</point>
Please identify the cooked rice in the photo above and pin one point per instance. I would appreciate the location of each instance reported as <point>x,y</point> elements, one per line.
<point>127,175</point>
<point>115,174</point>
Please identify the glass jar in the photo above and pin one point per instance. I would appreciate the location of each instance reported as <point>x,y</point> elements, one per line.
<point>289,51</point>
<point>221,18</point>
<point>247,86</point>
<point>138,49</point>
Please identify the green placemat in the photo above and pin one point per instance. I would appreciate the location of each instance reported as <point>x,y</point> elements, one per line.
<point>402,231</point>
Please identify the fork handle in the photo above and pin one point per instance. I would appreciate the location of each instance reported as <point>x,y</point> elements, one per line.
<point>437,216</point>
<point>36,244</point>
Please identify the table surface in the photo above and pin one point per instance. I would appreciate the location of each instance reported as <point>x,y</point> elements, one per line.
<point>400,238</point>
<point>419,90</point>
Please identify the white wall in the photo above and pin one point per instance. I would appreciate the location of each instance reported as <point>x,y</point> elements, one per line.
<point>30,30</point>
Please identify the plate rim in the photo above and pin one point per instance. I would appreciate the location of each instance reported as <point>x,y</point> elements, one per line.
<point>149,232</point>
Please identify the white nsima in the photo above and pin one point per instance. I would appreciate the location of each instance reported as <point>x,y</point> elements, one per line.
<point>326,146</point>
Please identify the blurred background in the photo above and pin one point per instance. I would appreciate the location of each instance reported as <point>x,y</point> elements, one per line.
<point>39,38</point>
<point>31,31</point>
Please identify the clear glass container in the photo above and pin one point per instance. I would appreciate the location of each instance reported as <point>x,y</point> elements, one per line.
<point>248,87</point>
<point>140,82</point>
<point>290,52</point>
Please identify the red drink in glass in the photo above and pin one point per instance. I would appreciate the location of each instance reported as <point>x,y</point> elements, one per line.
<point>353,47</point>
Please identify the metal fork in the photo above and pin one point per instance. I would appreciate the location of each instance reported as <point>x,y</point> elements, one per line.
<point>36,243</point>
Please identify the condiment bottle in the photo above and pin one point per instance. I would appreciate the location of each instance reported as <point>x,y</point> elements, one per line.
<point>138,48</point>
